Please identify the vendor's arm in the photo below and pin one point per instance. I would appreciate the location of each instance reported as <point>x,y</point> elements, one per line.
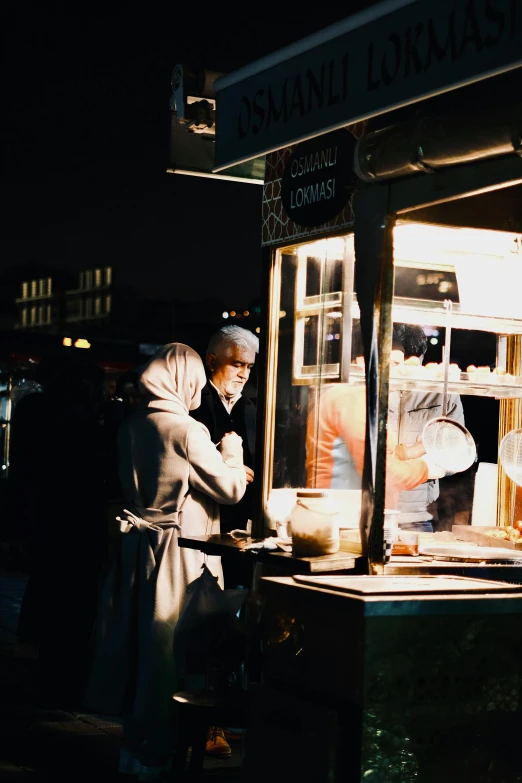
<point>219,475</point>
<point>351,421</point>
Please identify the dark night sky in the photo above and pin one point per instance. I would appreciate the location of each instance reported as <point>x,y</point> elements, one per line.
<point>85,133</point>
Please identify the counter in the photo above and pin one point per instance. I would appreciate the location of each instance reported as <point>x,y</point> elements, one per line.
<point>417,688</point>
<point>226,546</point>
<point>345,562</point>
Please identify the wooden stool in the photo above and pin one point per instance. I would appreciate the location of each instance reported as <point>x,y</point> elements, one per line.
<point>197,711</point>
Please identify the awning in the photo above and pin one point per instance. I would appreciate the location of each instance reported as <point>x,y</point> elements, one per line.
<point>391,55</point>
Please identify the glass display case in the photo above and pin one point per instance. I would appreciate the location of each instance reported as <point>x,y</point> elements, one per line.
<point>315,394</point>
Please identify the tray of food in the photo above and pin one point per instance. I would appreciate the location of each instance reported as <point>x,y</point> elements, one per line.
<point>491,535</point>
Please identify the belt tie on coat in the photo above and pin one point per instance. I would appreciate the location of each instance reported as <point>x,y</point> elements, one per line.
<point>140,524</point>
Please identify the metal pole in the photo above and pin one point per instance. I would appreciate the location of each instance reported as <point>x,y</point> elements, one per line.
<point>8,412</point>
<point>374,288</point>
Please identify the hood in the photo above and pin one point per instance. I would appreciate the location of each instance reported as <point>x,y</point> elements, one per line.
<point>173,379</point>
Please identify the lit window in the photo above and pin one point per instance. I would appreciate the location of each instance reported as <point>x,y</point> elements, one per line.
<point>33,288</point>
<point>24,316</point>
<point>41,312</point>
<point>48,314</point>
<point>42,286</point>
<point>67,341</point>
<point>49,286</point>
<point>108,303</point>
<point>97,277</point>
<point>108,275</point>
<point>25,290</point>
<point>97,303</point>
<point>81,342</point>
<point>33,315</point>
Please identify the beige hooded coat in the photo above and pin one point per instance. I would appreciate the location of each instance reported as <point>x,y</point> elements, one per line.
<point>173,478</point>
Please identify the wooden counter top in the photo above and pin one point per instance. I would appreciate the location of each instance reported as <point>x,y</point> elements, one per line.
<point>226,546</point>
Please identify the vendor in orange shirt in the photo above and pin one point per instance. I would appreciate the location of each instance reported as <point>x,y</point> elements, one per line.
<point>335,441</point>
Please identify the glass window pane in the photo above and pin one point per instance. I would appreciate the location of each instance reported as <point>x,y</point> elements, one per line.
<point>312,283</point>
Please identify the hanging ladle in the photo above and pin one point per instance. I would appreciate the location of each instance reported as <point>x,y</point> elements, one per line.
<point>510,454</point>
<point>447,442</point>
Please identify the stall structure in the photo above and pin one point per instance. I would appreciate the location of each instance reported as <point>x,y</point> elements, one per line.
<point>372,219</point>
<point>392,198</point>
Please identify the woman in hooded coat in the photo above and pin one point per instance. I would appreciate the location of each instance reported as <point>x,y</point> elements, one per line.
<point>173,478</point>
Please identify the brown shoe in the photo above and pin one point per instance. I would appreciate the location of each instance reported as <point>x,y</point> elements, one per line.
<point>217,746</point>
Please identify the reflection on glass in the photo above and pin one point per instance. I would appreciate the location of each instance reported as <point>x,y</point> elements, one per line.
<point>311,340</point>
<point>313,276</point>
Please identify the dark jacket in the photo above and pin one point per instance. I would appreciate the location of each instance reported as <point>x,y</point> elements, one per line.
<point>242,420</point>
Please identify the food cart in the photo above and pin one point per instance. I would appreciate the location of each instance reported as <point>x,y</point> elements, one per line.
<point>413,218</point>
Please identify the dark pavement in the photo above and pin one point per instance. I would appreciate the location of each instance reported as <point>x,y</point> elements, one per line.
<point>44,743</point>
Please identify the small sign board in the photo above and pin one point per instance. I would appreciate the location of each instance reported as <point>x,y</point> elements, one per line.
<point>319,178</point>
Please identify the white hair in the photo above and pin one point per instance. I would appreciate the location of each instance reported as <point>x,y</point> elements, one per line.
<point>232,335</point>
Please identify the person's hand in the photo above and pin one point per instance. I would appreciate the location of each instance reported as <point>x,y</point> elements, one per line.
<point>416,449</point>
<point>249,474</point>
<point>434,471</point>
<point>230,440</point>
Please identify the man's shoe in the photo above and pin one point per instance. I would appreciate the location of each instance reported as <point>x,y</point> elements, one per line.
<point>217,746</point>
